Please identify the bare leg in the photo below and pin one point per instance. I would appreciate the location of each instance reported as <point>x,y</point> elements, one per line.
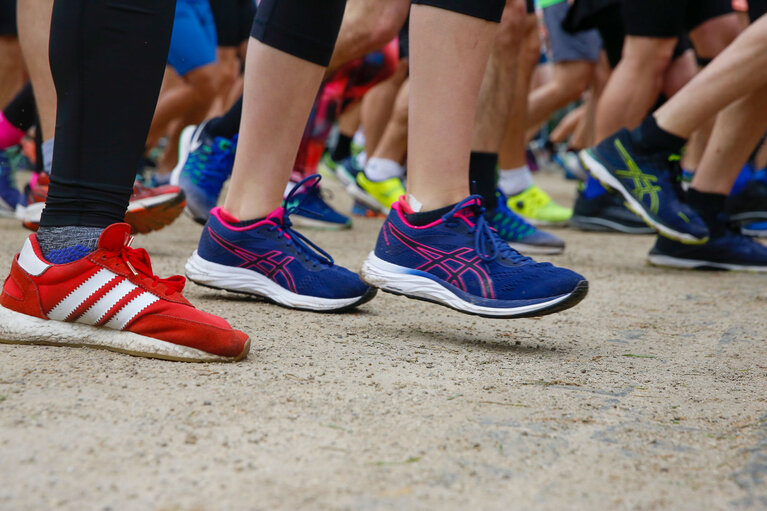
<point>446,48</point>
<point>367,26</point>
<point>740,69</point>
<point>393,143</point>
<point>196,94</point>
<point>634,85</point>
<point>377,106</point>
<point>34,19</point>
<point>11,68</point>
<point>568,84</point>
<point>512,154</point>
<point>497,92</point>
<point>264,162</point>
<point>737,130</point>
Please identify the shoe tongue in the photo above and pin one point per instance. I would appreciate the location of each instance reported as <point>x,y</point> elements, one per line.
<point>115,236</point>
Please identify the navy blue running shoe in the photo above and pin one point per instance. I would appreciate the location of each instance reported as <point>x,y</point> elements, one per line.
<point>459,261</point>
<point>12,201</point>
<point>727,250</point>
<point>646,182</point>
<point>313,212</point>
<point>519,234</point>
<point>204,165</point>
<point>271,260</point>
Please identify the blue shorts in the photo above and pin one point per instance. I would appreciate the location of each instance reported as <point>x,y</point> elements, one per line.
<point>193,43</point>
<point>567,47</point>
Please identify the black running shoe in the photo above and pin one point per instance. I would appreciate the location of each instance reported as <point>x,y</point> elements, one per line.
<point>749,205</point>
<point>606,213</point>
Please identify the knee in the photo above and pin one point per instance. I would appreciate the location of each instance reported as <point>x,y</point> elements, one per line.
<point>653,55</point>
<point>205,81</point>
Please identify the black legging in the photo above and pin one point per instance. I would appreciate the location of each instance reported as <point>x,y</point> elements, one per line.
<point>107,60</point>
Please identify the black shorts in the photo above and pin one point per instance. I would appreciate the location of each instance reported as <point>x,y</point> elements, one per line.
<point>8,17</point>
<point>234,19</point>
<point>756,8</point>
<point>669,18</point>
<point>530,6</point>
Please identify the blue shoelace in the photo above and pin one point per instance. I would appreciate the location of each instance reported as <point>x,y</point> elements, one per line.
<point>311,252</point>
<point>488,245</point>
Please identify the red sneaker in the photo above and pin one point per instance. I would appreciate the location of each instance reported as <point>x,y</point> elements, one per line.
<point>149,209</point>
<point>112,300</point>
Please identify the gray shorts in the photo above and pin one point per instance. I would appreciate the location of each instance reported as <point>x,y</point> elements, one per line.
<point>566,47</point>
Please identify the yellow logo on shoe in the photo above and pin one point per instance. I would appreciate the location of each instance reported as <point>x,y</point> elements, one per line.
<point>644,184</point>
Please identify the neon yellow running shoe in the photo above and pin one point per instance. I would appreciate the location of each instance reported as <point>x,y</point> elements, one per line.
<point>379,195</point>
<point>538,208</point>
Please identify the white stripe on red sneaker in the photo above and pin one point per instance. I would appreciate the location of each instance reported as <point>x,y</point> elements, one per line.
<point>77,297</point>
<point>131,309</point>
<point>99,310</point>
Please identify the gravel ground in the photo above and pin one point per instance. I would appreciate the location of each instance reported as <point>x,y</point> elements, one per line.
<point>650,394</point>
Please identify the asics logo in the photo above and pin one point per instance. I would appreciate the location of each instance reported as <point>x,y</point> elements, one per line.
<point>454,265</point>
<point>272,264</point>
<point>105,299</point>
<point>643,184</point>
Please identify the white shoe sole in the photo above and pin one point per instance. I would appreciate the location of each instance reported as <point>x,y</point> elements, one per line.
<point>695,264</point>
<point>17,328</point>
<point>602,175</point>
<point>241,280</point>
<point>400,280</point>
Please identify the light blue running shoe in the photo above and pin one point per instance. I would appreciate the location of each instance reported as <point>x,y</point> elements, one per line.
<point>204,165</point>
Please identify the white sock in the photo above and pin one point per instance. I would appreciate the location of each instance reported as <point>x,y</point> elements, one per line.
<point>515,181</point>
<point>381,169</point>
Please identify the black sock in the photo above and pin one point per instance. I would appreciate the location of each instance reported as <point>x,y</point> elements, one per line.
<point>482,177</point>
<point>343,148</point>
<point>651,137</point>
<point>426,217</point>
<point>246,223</point>
<point>228,125</point>
<point>708,205</point>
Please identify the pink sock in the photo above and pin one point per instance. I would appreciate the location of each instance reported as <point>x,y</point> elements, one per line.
<point>10,135</point>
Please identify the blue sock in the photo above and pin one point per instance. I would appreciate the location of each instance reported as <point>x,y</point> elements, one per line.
<point>593,189</point>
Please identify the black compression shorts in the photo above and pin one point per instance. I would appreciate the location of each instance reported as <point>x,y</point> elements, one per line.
<point>530,6</point>
<point>669,18</point>
<point>8,17</point>
<point>234,19</point>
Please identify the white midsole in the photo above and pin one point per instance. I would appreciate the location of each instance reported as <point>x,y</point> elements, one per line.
<point>676,262</point>
<point>615,226</point>
<point>391,277</point>
<point>20,328</point>
<point>243,280</point>
<point>151,201</point>
<point>602,174</point>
